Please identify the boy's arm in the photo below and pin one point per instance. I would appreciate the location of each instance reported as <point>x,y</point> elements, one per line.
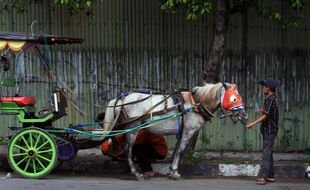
<point>252,124</point>
<point>265,111</point>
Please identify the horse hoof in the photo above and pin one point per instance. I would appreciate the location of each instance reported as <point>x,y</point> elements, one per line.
<point>140,177</point>
<point>174,176</point>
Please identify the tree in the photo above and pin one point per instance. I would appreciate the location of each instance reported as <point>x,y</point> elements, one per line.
<point>221,10</point>
<point>73,6</point>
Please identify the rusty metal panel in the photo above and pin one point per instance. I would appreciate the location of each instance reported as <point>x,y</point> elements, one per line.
<point>132,44</point>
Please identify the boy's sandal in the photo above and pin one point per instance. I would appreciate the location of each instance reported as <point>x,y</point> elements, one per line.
<point>270,179</point>
<point>261,181</point>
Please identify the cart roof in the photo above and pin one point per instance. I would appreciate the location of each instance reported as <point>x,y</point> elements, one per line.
<point>39,38</point>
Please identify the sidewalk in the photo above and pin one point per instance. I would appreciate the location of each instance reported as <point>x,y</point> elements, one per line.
<point>211,164</point>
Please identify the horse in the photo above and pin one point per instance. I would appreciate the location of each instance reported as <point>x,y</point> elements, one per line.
<point>200,105</point>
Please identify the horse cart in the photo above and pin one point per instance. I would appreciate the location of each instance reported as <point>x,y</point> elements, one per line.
<point>38,146</point>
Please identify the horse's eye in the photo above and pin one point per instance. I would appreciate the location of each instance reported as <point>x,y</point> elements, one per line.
<point>233,98</point>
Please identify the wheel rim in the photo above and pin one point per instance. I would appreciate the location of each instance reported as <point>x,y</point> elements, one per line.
<point>32,153</point>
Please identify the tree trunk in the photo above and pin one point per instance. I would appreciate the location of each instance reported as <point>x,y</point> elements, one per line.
<point>212,71</point>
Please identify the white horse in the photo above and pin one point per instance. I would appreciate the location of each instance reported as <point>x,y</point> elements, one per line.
<point>205,100</point>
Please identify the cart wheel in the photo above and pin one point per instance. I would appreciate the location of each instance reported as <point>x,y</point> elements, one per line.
<point>32,153</point>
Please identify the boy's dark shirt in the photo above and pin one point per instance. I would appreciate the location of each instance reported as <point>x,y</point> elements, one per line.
<point>270,125</point>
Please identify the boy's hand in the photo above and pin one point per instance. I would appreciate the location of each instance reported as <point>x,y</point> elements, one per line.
<point>249,126</point>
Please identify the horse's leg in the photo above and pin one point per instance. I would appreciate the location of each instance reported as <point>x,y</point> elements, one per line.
<point>130,140</point>
<point>179,151</point>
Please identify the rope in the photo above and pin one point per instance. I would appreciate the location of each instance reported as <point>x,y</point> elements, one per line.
<point>119,132</point>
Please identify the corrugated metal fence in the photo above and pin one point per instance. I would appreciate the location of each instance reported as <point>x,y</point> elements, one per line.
<point>132,45</point>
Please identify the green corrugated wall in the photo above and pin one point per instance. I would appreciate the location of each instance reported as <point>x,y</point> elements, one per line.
<point>132,44</point>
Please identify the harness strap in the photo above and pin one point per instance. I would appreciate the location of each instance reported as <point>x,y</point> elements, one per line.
<point>194,103</point>
<point>205,113</point>
<point>147,114</point>
<point>180,127</point>
<point>178,100</point>
<point>129,103</point>
<point>166,104</point>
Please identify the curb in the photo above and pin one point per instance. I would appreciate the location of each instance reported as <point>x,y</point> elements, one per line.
<point>91,161</point>
<point>204,168</point>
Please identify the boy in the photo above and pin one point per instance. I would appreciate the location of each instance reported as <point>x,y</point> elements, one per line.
<point>269,128</point>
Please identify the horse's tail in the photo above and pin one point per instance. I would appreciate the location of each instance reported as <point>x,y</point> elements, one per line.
<point>109,116</point>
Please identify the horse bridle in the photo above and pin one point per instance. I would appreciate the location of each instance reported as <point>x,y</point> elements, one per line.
<point>233,114</point>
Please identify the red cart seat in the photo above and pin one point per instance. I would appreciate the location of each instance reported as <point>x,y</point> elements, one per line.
<point>20,100</point>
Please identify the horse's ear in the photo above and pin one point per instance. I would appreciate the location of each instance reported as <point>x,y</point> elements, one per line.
<point>225,85</point>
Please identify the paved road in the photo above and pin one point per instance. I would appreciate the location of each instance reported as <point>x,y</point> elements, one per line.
<point>78,182</point>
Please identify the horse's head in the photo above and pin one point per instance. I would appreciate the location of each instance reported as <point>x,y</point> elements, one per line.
<point>232,103</point>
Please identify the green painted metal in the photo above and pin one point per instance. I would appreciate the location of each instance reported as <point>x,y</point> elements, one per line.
<point>7,106</point>
<point>21,118</point>
<point>32,153</point>
<point>12,107</point>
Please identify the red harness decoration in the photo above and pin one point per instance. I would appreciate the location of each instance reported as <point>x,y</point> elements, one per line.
<point>194,103</point>
<point>231,99</point>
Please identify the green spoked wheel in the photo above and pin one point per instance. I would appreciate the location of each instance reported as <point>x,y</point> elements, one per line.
<point>32,153</point>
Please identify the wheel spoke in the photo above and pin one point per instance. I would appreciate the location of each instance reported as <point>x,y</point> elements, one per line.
<point>42,145</point>
<point>25,141</point>
<point>27,165</point>
<point>22,148</point>
<point>40,163</point>
<point>22,160</point>
<point>20,154</point>
<point>34,166</point>
<point>37,141</point>
<point>45,151</point>
<point>30,139</point>
<point>44,158</point>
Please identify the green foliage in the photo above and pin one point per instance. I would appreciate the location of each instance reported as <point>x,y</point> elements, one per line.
<point>296,4</point>
<point>194,8</point>
<point>265,8</point>
<point>230,144</point>
<point>286,139</point>
<point>190,156</point>
<point>282,19</point>
<point>73,6</point>
<point>4,141</point>
<point>248,146</point>
<point>19,5</point>
<point>205,141</point>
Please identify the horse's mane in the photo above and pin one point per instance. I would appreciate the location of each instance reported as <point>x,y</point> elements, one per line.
<point>207,91</point>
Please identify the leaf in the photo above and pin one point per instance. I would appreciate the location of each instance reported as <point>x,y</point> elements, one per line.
<point>88,3</point>
<point>277,16</point>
